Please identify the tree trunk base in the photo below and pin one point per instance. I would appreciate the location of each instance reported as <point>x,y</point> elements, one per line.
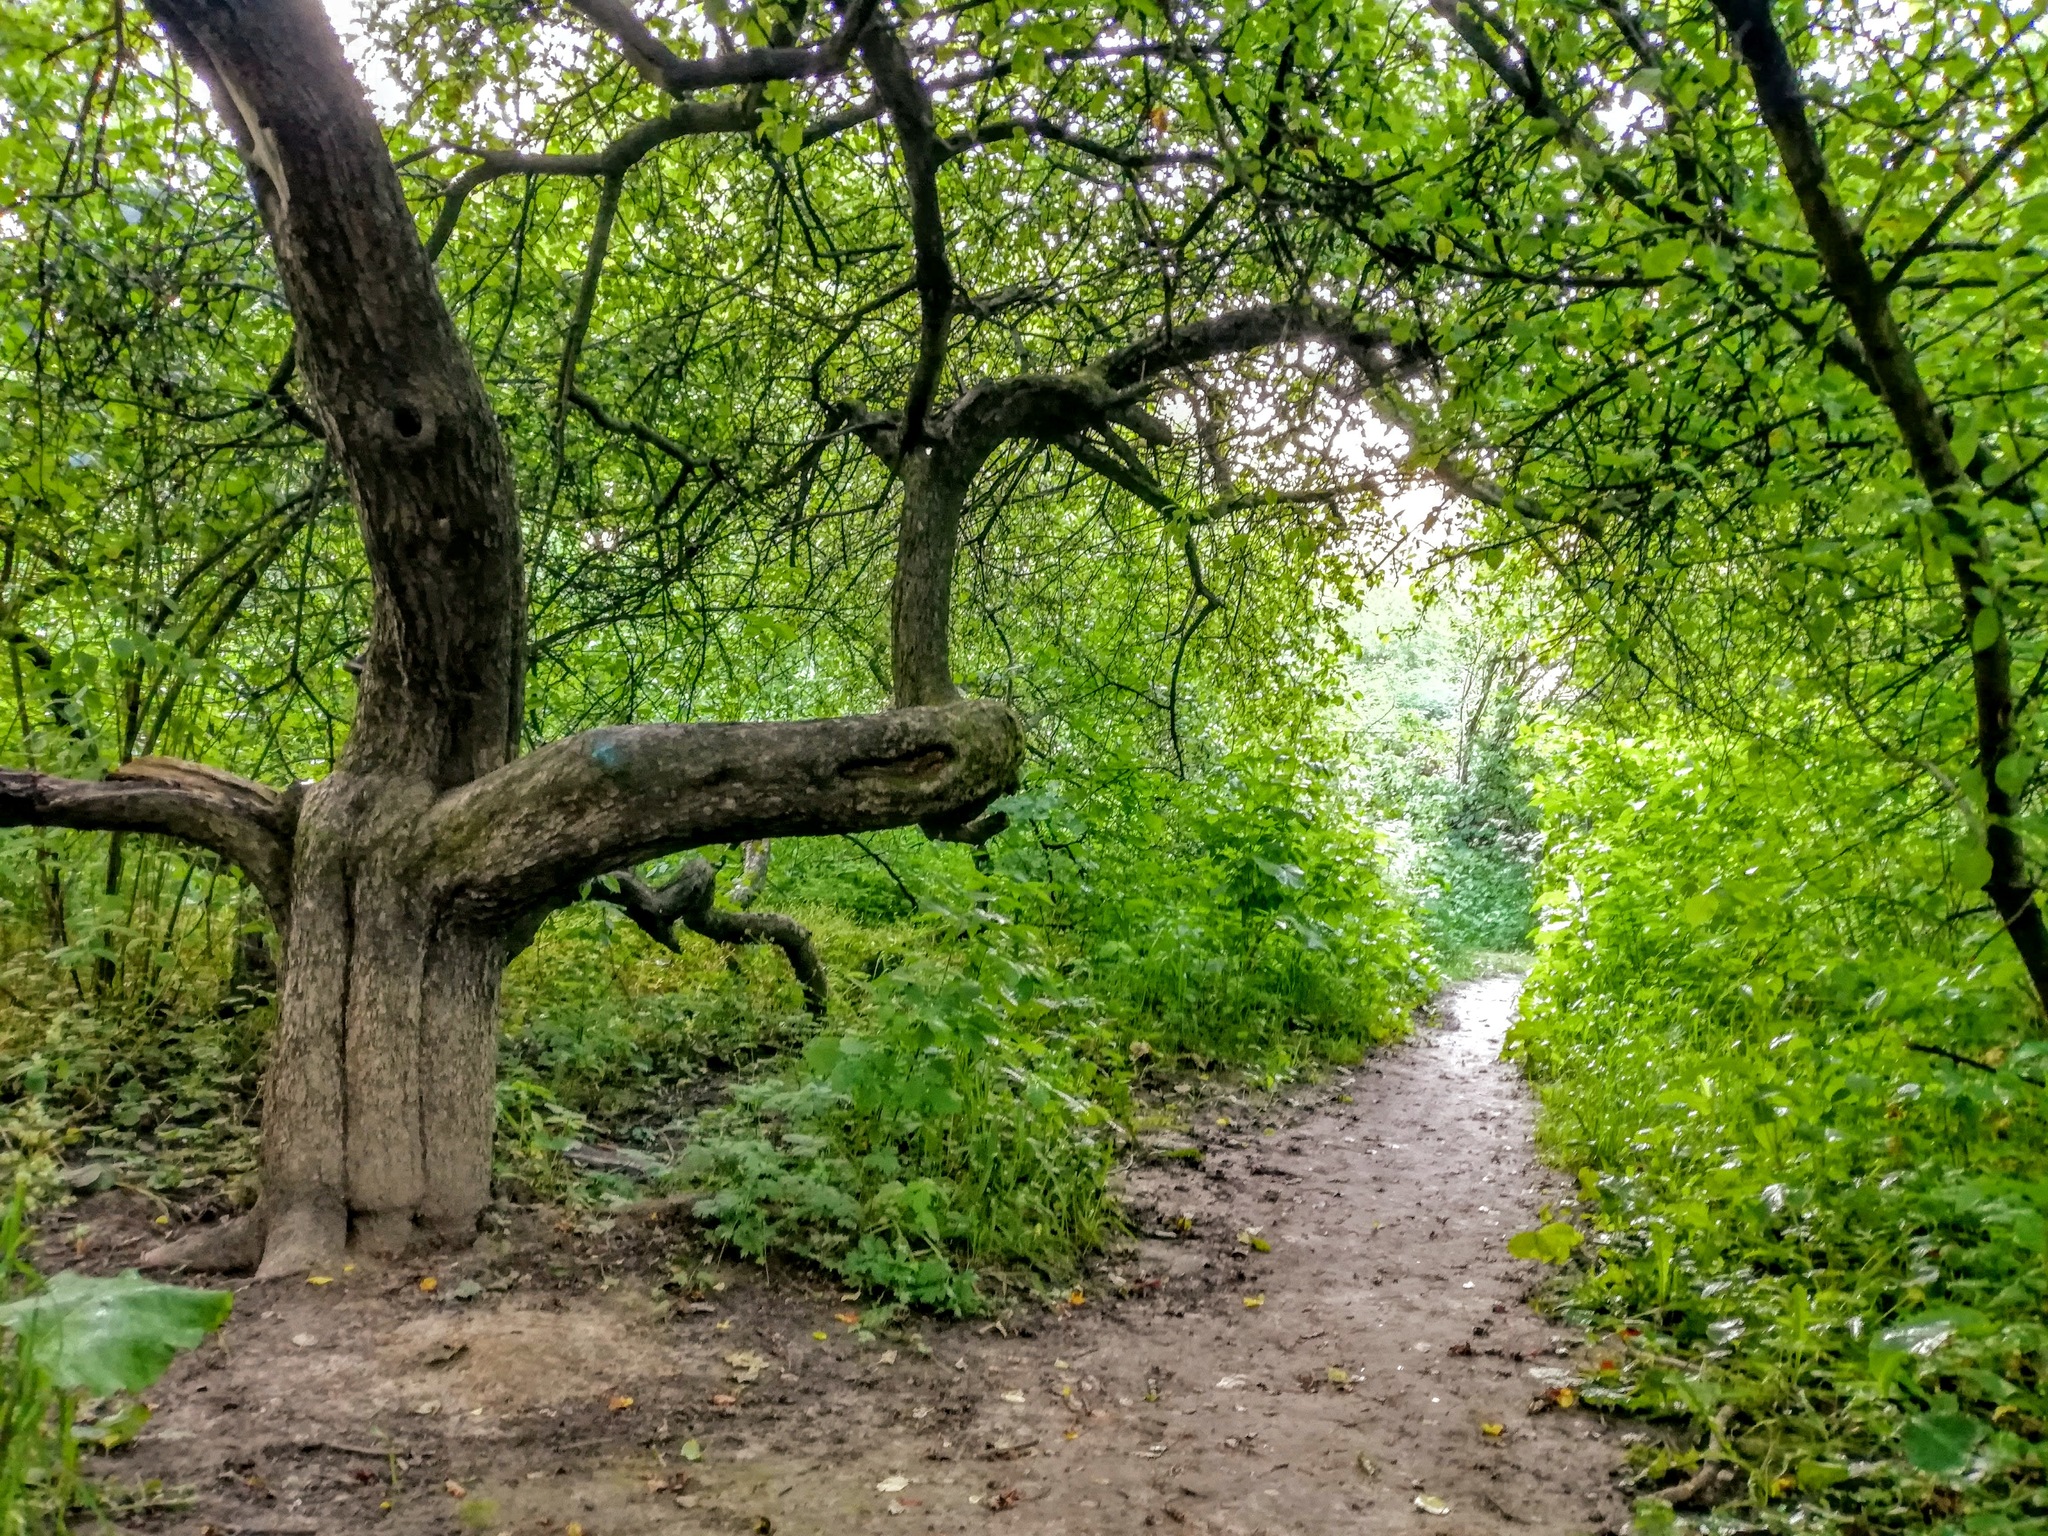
<point>229,1247</point>
<point>307,1238</point>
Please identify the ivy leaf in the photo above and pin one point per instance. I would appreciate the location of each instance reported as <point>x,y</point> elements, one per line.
<point>113,1334</point>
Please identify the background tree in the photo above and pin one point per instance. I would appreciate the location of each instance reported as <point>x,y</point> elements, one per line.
<point>1738,312</point>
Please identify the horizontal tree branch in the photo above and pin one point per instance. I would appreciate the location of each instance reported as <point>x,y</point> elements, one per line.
<point>249,824</point>
<point>514,839</point>
<point>999,130</point>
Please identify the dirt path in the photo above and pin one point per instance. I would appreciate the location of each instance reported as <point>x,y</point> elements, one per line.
<point>1384,1327</point>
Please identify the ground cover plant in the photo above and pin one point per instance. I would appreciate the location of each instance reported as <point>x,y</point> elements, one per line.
<point>1806,1121</point>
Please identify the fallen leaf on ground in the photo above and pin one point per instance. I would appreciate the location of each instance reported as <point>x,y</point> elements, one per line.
<point>429,1283</point>
<point>455,1490</point>
<point>319,1279</point>
<point>724,1400</point>
<point>573,1528</point>
<point>304,1340</point>
<point>621,1403</point>
<point>904,1506</point>
<point>1255,1301</point>
<point>747,1366</point>
<point>851,1319</point>
<point>1339,1375</point>
<point>425,1409</point>
<point>1249,1238</point>
<point>1492,1431</point>
<point>1073,1434</point>
<point>443,1353</point>
<point>1367,1465</point>
<point>1013,1397</point>
<point>1006,1499</point>
<point>895,1483</point>
<point>1430,1504</point>
<point>887,1357</point>
<point>1076,1298</point>
<point>691,1451</point>
<point>821,1335</point>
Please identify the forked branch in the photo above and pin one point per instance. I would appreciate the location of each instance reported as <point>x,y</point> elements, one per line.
<point>687,899</point>
<point>660,65</point>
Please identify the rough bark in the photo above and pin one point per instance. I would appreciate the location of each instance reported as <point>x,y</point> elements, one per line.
<point>1895,375</point>
<point>249,824</point>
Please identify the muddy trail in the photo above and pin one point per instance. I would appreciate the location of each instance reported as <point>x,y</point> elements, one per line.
<point>1346,1376</point>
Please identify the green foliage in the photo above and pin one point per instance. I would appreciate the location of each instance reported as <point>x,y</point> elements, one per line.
<point>1442,693</point>
<point>1826,1248</point>
<point>110,1334</point>
<point>958,1116</point>
<point>67,1340</point>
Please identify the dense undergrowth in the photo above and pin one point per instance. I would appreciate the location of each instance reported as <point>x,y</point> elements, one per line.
<point>1822,1247</point>
<point>949,1128</point>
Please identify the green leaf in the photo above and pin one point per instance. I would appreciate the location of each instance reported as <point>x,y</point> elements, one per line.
<point>1551,1243</point>
<point>1664,258</point>
<point>1941,1442</point>
<point>1972,865</point>
<point>1984,629</point>
<point>1699,910</point>
<point>2014,769</point>
<point>113,1334</point>
<point>1816,1475</point>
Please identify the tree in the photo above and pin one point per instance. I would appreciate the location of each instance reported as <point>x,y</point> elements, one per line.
<point>1747,377</point>
<point>401,882</point>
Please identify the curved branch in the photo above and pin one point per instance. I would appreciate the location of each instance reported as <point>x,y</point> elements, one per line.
<point>569,812</point>
<point>910,114</point>
<point>660,65</point>
<point>687,900</point>
<point>586,295</point>
<point>1000,130</point>
<point>1061,408</point>
<point>687,119</point>
<point>249,824</point>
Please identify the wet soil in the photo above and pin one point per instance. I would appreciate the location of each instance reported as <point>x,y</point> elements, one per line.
<point>1314,1333</point>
